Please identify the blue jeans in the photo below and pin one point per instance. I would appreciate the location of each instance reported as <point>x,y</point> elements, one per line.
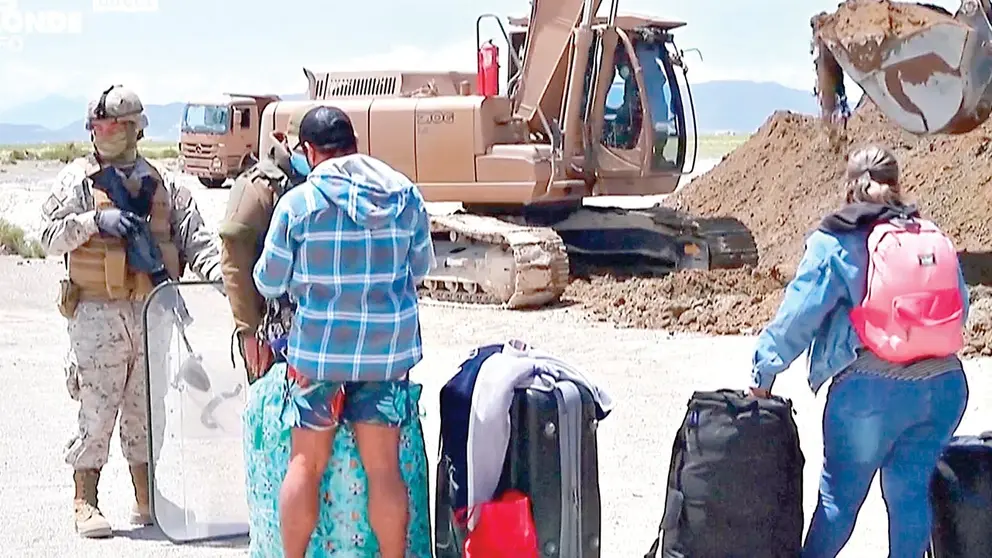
<point>897,426</point>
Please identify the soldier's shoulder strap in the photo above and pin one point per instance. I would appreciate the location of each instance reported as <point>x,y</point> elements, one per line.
<point>153,170</point>
<point>90,164</point>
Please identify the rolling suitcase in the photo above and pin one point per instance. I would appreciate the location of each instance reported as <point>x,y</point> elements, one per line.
<point>553,458</point>
<point>735,481</point>
<point>961,499</point>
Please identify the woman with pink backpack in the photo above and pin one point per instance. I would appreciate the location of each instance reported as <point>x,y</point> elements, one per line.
<point>880,302</point>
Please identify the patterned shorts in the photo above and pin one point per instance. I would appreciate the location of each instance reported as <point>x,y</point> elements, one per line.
<point>317,405</point>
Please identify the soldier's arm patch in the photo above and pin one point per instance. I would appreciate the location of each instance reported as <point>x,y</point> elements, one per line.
<point>182,197</point>
<point>52,204</point>
<point>69,194</point>
<point>72,175</point>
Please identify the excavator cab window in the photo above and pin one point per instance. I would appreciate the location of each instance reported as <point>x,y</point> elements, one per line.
<point>662,95</point>
<point>624,115</point>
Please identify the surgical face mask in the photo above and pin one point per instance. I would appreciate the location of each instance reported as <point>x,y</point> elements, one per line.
<point>116,146</point>
<point>299,163</point>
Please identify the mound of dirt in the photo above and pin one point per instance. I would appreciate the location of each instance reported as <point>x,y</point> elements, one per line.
<point>783,180</point>
<point>780,183</point>
<point>730,302</point>
<point>861,25</point>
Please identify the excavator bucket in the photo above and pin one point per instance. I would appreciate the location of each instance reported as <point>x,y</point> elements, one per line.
<point>925,69</point>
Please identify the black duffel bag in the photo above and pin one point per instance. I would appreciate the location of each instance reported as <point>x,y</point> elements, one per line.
<point>961,499</point>
<point>735,482</point>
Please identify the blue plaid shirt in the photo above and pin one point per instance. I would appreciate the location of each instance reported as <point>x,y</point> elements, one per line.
<point>350,245</point>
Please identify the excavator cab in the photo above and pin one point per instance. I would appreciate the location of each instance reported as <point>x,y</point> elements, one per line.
<point>642,120</point>
<point>636,106</point>
<point>648,110</point>
<point>925,69</point>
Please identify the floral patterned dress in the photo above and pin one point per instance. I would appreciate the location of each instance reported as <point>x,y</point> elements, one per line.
<point>343,528</point>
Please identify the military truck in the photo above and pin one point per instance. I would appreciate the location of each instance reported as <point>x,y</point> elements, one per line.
<point>219,136</point>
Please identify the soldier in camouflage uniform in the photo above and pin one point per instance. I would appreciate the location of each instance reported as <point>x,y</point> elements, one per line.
<point>102,297</point>
<point>259,323</point>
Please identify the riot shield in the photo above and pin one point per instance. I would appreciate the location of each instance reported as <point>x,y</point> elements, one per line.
<point>196,395</point>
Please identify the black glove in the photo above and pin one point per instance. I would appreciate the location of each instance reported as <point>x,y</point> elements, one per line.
<point>116,222</point>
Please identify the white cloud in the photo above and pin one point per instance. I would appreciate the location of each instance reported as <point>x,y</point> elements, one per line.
<point>453,57</point>
<point>24,82</point>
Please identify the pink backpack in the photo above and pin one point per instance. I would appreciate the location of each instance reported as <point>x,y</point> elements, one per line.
<point>913,306</point>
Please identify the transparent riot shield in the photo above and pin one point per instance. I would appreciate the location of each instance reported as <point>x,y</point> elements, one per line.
<point>196,395</point>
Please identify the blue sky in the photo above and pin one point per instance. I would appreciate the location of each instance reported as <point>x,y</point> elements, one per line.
<point>189,48</point>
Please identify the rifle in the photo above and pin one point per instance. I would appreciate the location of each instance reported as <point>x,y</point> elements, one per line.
<point>143,253</point>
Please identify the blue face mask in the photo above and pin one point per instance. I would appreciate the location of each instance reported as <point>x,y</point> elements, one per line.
<point>299,163</point>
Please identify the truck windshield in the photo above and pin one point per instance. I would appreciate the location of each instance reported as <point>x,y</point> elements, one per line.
<point>207,119</point>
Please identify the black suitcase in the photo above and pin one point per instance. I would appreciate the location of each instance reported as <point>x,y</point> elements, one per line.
<point>735,481</point>
<point>448,538</point>
<point>552,456</point>
<point>961,499</point>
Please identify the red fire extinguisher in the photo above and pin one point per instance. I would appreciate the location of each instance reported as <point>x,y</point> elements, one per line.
<point>487,79</point>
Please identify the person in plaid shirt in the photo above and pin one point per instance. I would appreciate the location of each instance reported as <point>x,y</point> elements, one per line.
<point>349,246</point>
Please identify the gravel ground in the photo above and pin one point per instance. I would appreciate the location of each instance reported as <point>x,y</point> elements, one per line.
<point>651,375</point>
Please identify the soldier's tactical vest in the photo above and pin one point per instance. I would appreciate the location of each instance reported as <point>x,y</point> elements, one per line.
<point>99,268</point>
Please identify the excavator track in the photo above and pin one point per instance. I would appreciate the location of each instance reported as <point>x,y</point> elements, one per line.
<point>486,260</point>
<point>654,241</point>
<point>729,243</point>
<point>524,262</point>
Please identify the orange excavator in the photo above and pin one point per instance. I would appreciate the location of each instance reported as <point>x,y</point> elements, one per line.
<point>593,105</point>
<point>926,69</point>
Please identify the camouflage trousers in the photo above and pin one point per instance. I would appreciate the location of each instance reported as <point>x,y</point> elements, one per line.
<point>106,374</point>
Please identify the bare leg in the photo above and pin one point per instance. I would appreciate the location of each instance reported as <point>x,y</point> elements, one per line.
<point>299,496</point>
<point>388,507</point>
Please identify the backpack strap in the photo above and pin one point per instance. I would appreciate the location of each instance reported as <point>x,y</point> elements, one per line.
<point>674,467</point>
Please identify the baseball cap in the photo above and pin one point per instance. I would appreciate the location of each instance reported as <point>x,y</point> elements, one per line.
<point>326,128</point>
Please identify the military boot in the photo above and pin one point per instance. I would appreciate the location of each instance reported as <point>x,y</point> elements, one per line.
<point>141,511</point>
<point>90,522</point>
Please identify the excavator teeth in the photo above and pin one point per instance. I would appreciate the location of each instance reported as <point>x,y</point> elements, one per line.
<point>485,260</point>
<point>927,71</point>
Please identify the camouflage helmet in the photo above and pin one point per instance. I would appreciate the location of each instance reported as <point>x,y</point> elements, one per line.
<point>117,103</point>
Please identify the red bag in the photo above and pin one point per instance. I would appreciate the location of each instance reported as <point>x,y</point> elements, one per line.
<point>504,527</point>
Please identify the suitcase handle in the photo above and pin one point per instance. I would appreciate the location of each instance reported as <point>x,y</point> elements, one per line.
<point>749,402</point>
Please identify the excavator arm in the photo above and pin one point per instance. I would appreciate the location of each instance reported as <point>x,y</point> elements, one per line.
<point>927,70</point>
<point>549,34</point>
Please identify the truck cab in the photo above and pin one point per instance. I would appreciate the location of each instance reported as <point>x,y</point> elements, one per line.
<point>219,136</point>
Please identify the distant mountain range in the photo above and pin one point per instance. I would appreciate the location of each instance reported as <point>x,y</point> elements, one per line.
<point>720,106</point>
